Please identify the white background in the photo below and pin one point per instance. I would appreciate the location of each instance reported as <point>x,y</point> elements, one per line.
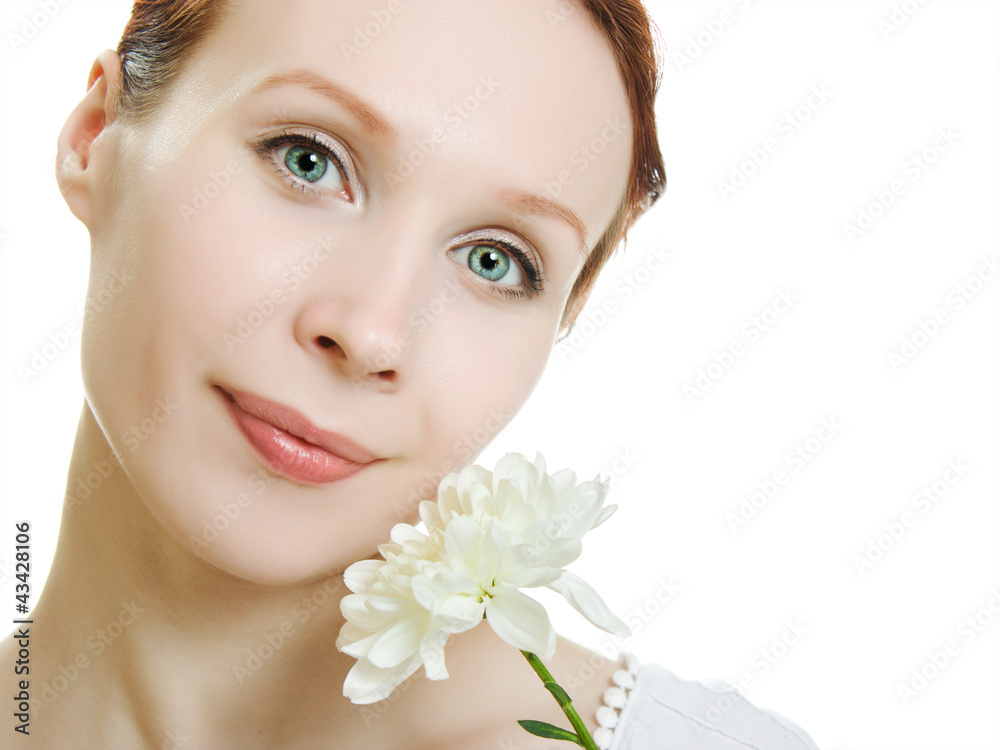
<point>617,389</point>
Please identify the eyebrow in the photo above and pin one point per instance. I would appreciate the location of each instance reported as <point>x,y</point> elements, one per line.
<point>371,120</point>
<point>526,203</point>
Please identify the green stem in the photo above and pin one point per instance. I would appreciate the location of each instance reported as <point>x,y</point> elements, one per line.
<point>574,718</point>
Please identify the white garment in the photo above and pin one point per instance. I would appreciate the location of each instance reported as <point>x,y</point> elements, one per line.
<point>650,708</point>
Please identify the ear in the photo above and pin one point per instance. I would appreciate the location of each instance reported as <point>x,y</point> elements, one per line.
<point>75,171</point>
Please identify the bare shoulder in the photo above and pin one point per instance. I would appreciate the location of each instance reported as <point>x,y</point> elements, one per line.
<point>495,687</point>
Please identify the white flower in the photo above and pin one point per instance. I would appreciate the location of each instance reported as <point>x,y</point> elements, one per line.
<point>488,535</point>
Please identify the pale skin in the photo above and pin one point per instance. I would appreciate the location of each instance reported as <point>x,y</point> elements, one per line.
<point>390,269</point>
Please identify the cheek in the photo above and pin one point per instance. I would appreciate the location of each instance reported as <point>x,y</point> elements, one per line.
<point>177,260</point>
<point>482,365</point>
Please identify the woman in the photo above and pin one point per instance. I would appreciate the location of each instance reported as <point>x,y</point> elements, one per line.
<point>362,224</point>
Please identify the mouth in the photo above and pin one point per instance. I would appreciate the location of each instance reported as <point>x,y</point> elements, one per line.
<point>290,444</point>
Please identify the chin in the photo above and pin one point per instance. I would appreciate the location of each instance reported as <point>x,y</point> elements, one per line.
<point>262,556</point>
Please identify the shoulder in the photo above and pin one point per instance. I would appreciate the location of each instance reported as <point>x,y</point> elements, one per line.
<point>494,687</point>
<point>658,709</point>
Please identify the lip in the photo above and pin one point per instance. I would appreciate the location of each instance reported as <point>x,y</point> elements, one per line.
<point>290,443</point>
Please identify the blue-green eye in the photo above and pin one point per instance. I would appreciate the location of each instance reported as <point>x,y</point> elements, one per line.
<point>508,270</point>
<point>312,165</point>
<point>306,163</point>
<point>492,263</point>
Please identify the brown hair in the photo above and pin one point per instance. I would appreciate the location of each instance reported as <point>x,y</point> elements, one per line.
<point>162,34</point>
<point>629,31</point>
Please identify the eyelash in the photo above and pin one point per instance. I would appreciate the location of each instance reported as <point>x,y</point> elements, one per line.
<point>265,148</point>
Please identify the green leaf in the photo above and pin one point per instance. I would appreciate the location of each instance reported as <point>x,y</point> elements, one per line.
<point>548,731</point>
<point>560,695</point>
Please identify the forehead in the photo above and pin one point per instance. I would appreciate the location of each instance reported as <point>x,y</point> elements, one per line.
<point>524,93</point>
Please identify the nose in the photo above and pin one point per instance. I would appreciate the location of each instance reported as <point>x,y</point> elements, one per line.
<point>364,343</point>
<point>354,317</point>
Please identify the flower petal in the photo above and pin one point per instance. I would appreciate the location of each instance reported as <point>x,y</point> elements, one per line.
<point>560,552</point>
<point>456,611</point>
<point>605,514</point>
<point>349,638</point>
<point>521,621</point>
<point>404,532</point>
<point>510,463</point>
<point>398,643</point>
<point>430,514</point>
<point>585,600</point>
<point>518,518</point>
<point>367,683</point>
<point>562,481</point>
<point>361,575</point>
<point>432,654</point>
<point>525,577</point>
<point>356,609</point>
<point>467,545</point>
<point>356,642</point>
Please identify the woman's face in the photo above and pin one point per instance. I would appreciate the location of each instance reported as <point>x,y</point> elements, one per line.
<point>369,212</point>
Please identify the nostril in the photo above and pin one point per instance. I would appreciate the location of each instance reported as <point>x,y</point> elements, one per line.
<point>367,372</point>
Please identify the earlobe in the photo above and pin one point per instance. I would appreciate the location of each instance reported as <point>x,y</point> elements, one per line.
<point>97,110</point>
